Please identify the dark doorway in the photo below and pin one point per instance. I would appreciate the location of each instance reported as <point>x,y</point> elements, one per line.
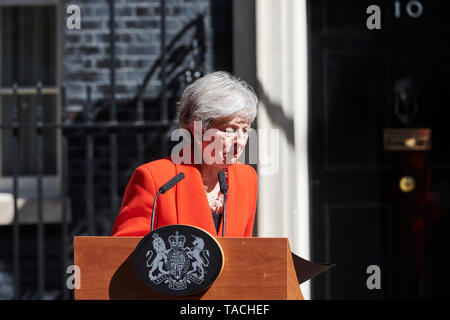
<point>362,82</point>
<point>222,29</point>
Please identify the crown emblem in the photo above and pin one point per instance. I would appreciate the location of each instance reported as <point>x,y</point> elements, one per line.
<point>177,240</point>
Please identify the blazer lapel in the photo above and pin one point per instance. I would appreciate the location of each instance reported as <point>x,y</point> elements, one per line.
<point>192,204</point>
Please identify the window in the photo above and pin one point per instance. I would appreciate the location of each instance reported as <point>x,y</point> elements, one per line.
<point>29,54</point>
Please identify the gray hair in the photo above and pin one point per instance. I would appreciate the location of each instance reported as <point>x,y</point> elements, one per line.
<point>215,96</point>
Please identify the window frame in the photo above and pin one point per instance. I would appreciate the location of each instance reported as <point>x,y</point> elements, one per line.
<point>51,183</point>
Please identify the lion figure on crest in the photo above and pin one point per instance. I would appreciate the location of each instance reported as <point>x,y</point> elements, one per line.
<point>160,259</point>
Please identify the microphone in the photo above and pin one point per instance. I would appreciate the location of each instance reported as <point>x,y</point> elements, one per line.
<point>172,182</point>
<point>223,182</point>
<point>224,189</point>
<point>168,185</point>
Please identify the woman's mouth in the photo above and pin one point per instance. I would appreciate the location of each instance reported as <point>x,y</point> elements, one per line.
<point>234,153</point>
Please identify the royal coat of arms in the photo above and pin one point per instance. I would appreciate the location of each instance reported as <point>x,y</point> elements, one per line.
<point>178,260</point>
<point>179,265</point>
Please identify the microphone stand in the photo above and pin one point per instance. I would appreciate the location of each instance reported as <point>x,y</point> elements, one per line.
<point>154,208</point>
<point>224,189</point>
<point>164,189</point>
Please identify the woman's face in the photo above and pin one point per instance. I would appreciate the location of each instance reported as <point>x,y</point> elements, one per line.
<point>225,140</point>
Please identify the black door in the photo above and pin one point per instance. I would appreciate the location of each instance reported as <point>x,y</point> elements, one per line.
<point>362,82</point>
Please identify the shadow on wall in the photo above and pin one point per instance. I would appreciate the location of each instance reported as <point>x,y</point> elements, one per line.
<point>276,114</point>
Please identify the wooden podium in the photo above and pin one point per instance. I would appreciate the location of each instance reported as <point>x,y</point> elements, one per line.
<point>255,269</point>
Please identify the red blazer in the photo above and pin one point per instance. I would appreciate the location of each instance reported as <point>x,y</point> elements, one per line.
<point>186,203</point>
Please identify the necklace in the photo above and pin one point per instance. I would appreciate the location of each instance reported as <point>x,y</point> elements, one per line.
<point>215,198</point>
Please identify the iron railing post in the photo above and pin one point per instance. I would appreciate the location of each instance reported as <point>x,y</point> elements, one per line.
<point>15,165</point>
<point>113,116</point>
<point>64,193</point>
<point>90,217</point>
<point>40,167</point>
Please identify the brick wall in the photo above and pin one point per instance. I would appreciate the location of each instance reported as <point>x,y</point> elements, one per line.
<point>86,51</point>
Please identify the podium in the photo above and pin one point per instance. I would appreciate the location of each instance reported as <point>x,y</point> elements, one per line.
<point>254,269</point>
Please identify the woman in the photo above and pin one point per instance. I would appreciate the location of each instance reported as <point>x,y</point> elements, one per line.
<point>223,107</point>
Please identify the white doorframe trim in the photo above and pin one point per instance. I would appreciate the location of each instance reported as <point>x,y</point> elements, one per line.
<point>282,73</point>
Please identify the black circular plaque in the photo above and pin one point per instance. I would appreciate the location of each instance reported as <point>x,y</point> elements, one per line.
<point>178,260</point>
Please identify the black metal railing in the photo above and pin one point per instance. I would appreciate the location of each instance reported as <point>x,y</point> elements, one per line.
<point>178,65</point>
<point>63,126</point>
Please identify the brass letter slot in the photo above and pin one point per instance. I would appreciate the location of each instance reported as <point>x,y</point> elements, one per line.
<point>408,139</point>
